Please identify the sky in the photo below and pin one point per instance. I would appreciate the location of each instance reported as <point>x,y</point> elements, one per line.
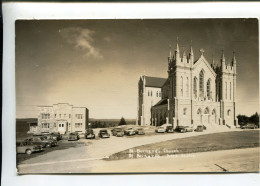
<point>97,63</point>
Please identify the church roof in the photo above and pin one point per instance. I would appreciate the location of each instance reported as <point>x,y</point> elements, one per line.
<point>161,102</point>
<point>154,81</point>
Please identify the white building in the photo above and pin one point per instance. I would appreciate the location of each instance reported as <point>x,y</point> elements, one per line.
<point>63,118</point>
<point>195,93</point>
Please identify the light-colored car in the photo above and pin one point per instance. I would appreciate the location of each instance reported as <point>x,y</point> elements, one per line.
<point>129,132</point>
<point>140,131</point>
<point>188,128</point>
<point>160,129</point>
<point>27,148</point>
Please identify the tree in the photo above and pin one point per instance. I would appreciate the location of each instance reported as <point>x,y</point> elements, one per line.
<point>122,121</point>
<point>242,119</point>
<point>254,119</point>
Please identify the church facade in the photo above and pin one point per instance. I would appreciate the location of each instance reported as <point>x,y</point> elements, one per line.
<point>195,93</point>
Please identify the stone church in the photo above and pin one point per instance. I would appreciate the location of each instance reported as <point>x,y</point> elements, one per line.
<point>195,92</point>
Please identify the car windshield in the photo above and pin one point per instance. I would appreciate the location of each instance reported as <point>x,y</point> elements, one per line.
<point>103,131</point>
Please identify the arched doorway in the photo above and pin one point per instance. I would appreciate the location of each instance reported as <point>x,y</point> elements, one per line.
<point>214,116</point>
<point>206,117</point>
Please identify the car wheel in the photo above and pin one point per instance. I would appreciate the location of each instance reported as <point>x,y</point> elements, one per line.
<point>48,145</point>
<point>28,152</point>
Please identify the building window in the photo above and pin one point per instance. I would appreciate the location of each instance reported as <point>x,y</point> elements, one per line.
<point>151,93</point>
<point>208,89</point>
<point>62,125</point>
<point>181,86</point>
<point>69,116</point>
<point>54,125</point>
<point>45,125</point>
<point>201,84</point>
<point>206,111</point>
<point>230,91</point>
<point>45,116</point>
<point>78,125</point>
<point>185,111</point>
<point>228,112</point>
<point>187,87</point>
<point>195,87</point>
<point>148,93</point>
<point>213,112</point>
<point>78,116</point>
<point>55,115</point>
<point>199,112</point>
<point>226,89</point>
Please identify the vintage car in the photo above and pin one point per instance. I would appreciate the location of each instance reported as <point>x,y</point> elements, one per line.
<point>129,132</point>
<point>89,134</point>
<point>103,134</point>
<point>160,129</point>
<point>188,128</point>
<point>199,128</point>
<point>57,135</point>
<point>118,132</point>
<point>73,136</point>
<point>41,140</point>
<point>249,126</point>
<point>27,147</point>
<point>140,131</point>
<point>180,129</point>
<point>114,131</point>
<point>169,129</point>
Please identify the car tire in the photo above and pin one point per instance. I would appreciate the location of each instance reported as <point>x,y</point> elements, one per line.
<point>28,151</point>
<point>48,145</point>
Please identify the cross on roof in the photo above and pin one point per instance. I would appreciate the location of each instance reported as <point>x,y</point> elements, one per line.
<point>202,51</point>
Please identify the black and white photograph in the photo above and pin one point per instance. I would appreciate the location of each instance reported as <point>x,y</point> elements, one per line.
<point>137,96</point>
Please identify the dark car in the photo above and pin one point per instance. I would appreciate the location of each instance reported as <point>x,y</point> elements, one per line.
<point>140,131</point>
<point>57,135</point>
<point>249,126</point>
<point>41,140</point>
<point>47,136</point>
<point>89,134</point>
<point>199,128</point>
<point>103,134</point>
<point>169,129</point>
<point>73,136</point>
<point>27,147</point>
<point>180,129</point>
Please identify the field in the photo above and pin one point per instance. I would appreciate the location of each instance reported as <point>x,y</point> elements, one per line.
<point>202,143</point>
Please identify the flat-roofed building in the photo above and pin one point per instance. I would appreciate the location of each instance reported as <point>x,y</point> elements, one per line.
<point>63,118</point>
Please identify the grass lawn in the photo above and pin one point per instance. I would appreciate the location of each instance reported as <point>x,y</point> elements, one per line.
<point>202,143</point>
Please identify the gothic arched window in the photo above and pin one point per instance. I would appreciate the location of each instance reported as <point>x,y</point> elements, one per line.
<point>208,89</point>
<point>181,86</point>
<point>195,87</point>
<point>230,91</point>
<point>206,111</point>
<point>187,87</point>
<point>201,83</point>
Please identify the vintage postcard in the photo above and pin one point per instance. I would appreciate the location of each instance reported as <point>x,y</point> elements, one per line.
<point>137,95</point>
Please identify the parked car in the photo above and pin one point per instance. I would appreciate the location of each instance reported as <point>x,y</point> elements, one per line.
<point>199,128</point>
<point>40,140</point>
<point>188,128</point>
<point>115,131</point>
<point>27,147</point>
<point>118,132</point>
<point>58,135</point>
<point>160,129</point>
<point>169,129</point>
<point>140,131</point>
<point>249,126</point>
<point>103,134</point>
<point>129,132</point>
<point>180,129</point>
<point>89,134</point>
<point>47,136</point>
<point>73,136</point>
